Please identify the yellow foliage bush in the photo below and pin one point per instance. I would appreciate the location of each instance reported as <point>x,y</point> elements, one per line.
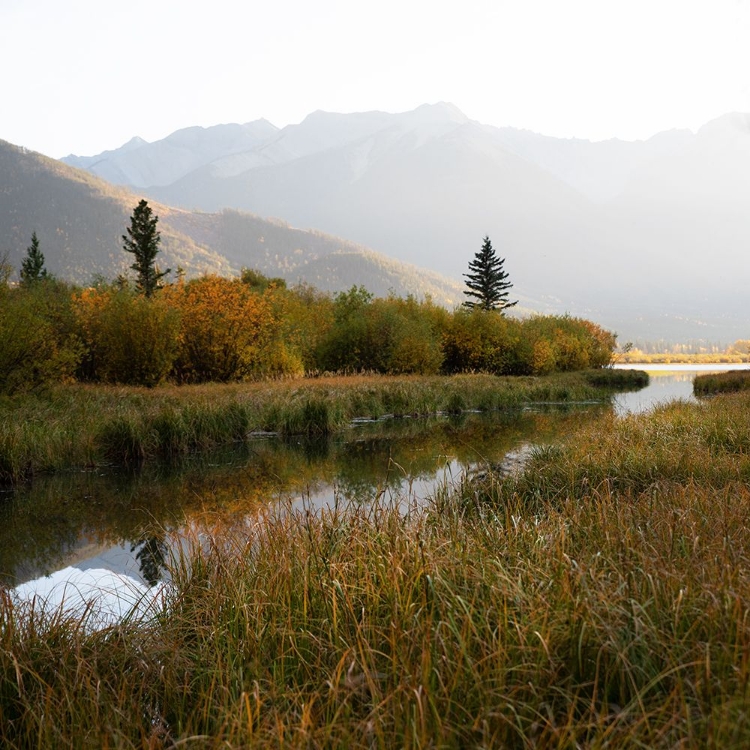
<point>129,338</point>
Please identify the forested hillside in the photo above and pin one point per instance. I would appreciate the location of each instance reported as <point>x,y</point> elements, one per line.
<point>80,219</point>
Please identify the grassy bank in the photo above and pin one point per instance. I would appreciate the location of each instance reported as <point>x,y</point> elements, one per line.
<point>80,425</point>
<point>599,599</point>
<point>721,382</point>
<point>678,443</point>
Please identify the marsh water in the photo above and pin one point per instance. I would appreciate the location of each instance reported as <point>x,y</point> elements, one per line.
<point>666,383</point>
<point>88,526</point>
<point>116,520</point>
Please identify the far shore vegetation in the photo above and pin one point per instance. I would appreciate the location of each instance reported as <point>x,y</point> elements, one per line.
<point>81,425</point>
<point>736,353</point>
<point>598,598</point>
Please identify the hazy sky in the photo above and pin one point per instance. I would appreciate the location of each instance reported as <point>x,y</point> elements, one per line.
<point>82,76</point>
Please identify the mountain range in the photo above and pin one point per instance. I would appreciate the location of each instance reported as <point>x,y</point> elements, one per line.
<point>647,237</point>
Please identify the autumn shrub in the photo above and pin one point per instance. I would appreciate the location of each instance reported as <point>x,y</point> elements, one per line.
<point>38,344</point>
<point>490,342</point>
<point>301,318</point>
<point>224,325</point>
<point>129,338</point>
<point>564,343</point>
<point>482,341</point>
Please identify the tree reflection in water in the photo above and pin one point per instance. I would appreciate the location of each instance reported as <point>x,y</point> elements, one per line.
<point>151,554</point>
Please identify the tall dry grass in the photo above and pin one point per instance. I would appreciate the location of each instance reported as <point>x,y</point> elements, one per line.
<point>619,621</point>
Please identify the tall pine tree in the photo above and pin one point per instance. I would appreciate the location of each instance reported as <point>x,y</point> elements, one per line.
<point>32,266</point>
<point>487,281</point>
<point>143,240</point>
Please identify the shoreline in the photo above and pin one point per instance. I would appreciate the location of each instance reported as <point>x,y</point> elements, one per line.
<point>89,425</point>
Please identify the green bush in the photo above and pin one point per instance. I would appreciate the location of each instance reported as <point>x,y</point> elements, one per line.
<point>37,341</point>
<point>388,335</point>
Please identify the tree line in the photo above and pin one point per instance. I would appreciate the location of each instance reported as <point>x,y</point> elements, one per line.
<point>219,329</point>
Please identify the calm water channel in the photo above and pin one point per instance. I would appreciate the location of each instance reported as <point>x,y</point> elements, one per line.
<point>75,534</point>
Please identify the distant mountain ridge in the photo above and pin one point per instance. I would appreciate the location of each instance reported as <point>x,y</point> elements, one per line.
<point>80,219</point>
<point>646,237</point>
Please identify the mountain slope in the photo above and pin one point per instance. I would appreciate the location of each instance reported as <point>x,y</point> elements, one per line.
<point>80,219</point>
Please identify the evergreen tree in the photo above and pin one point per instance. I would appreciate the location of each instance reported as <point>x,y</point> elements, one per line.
<point>32,266</point>
<point>487,281</point>
<point>143,240</point>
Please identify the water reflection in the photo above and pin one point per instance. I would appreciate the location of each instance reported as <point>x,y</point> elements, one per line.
<point>666,383</point>
<point>119,520</point>
<point>663,386</point>
<point>151,555</point>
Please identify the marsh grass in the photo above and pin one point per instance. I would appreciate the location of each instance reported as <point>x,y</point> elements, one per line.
<point>621,621</point>
<point>723,382</point>
<point>675,443</point>
<point>610,378</point>
<point>79,425</point>
<point>601,598</point>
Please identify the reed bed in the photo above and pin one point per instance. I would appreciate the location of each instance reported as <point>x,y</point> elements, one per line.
<point>721,382</point>
<point>80,425</point>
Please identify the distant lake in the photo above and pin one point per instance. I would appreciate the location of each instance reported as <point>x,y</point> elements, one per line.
<point>668,383</point>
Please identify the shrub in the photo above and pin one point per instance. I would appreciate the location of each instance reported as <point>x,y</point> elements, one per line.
<point>37,340</point>
<point>130,339</point>
<point>572,343</point>
<point>389,335</point>
<point>487,341</point>
<point>479,340</point>
<point>224,325</point>
<point>301,317</point>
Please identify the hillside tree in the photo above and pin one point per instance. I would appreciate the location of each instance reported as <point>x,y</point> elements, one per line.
<point>32,266</point>
<point>142,240</point>
<point>487,281</point>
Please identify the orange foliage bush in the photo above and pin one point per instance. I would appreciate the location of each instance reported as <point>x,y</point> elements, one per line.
<point>223,327</point>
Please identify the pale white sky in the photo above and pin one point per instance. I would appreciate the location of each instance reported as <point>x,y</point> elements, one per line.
<point>82,76</point>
